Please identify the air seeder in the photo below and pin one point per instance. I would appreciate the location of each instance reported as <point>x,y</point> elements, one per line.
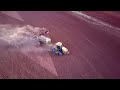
<point>42,36</point>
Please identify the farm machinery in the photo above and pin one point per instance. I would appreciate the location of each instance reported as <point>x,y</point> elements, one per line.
<point>56,48</point>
